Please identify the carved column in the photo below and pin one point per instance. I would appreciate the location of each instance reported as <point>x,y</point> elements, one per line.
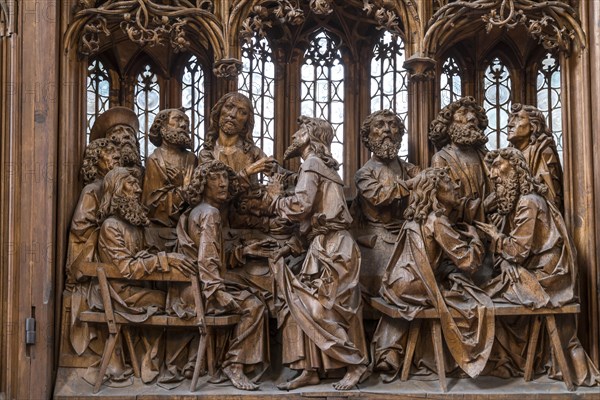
<point>421,92</point>
<point>581,141</point>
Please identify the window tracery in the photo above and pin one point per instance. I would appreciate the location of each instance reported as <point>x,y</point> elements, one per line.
<point>549,98</point>
<point>97,93</point>
<point>497,102</point>
<point>322,88</point>
<point>146,105</point>
<point>193,98</point>
<point>389,79</point>
<point>450,82</point>
<point>257,81</point>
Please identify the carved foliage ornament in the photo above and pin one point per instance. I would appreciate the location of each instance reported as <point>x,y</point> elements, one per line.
<point>145,22</point>
<point>6,17</point>
<point>554,24</point>
<point>266,12</point>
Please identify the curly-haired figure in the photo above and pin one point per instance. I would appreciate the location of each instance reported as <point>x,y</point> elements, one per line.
<point>457,133</point>
<point>528,132</point>
<point>381,194</point>
<point>199,236</point>
<point>100,157</point>
<point>431,268</point>
<point>168,171</point>
<point>537,266</point>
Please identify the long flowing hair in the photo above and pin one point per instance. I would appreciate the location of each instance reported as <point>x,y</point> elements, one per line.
<point>213,130</point>
<point>438,130</point>
<point>321,136</point>
<point>423,196</point>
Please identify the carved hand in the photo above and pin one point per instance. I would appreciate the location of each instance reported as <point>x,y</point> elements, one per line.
<point>182,263</point>
<point>262,248</point>
<point>265,164</point>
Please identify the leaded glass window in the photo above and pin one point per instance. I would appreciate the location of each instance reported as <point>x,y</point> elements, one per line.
<point>192,100</point>
<point>98,88</point>
<point>497,101</point>
<point>389,80</point>
<point>548,98</point>
<point>257,81</point>
<point>450,82</point>
<point>146,106</point>
<point>322,88</point>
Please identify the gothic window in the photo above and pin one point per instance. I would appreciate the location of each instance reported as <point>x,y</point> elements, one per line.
<point>497,101</point>
<point>146,106</point>
<point>450,82</point>
<point>257,81</point>
<point>98,88</point>
<point>322,88</point>
<point>548,98</point>
<point>389,80</point>
<point>192,99</point>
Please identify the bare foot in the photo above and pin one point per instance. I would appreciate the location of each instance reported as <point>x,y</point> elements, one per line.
<point>235,373</point>
<point>305,378</point>
<point>353,375</point>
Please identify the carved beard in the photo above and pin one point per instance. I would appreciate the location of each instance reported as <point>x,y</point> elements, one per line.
<point>386,147</point>
<point>466,134</point>
<point>294,150</point>
<point>130,209</point>
<point>507,190</point>
<point>129,155</point>
<point>177,137</point>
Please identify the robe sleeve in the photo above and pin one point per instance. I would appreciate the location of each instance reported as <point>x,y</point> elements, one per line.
<point>376,193</point>
<point>465,253</point>
<point>516,246</point>
<point>298,206</point>
<point>210,251</point>
<point>113,249</point>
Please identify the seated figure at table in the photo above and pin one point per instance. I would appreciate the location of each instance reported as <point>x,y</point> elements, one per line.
<point>121,243</point>
<point>536,260</point>
<point>430,268</point>
<point>382,194</point>
<point>229,140</point>
<point>200,236</point>
<point>168,171</point>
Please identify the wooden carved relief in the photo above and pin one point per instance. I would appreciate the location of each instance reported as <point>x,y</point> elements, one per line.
<point>553,24</point>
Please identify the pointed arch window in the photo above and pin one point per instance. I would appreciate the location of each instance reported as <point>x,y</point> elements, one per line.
<point>389,79</point>
<point>98,90</point>
<point>450,82</point>
<point>322,88</point>
<point>257,81</point>
<point>548,98</point>
<point>146,105</point>
<point>497,102</point>
<point>192,99</point>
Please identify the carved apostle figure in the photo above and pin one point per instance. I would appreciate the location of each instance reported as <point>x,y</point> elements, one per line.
<point>528,132</point>
<point>120,125</point>
<point>381,194</point>
<point>168,170</point>
<point>229,139</point>
<point>430,268</point>
<point>322,318</point>
<point>536,259</point>
<point>199,236</point>
<point>121,243</point>
<point>457,133</point>
<point>100,157</point>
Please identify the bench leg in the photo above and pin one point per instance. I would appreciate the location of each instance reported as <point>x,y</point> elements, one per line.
<point>438,349</point>
<point>199,361</point>
<point>558,351</point>
<point>109,348</point>
<point>532,347</point>
<point>134,361</point>
<point>413,335</point>
<point>210,350</point>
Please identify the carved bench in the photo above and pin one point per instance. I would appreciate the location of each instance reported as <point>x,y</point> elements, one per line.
<point>500,310</point>
<point>204,323</point>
